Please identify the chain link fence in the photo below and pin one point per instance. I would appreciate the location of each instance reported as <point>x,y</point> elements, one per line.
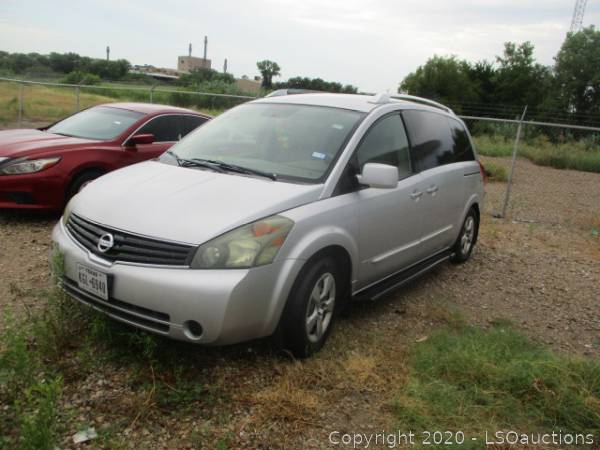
<point>536,155</point>
<point>552,171</point>
<point>32,102</point>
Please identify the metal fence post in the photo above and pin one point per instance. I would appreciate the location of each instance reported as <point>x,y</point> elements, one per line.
<point>20,112</point>
<point>513,163</point>
<point>152,92</point>
<point>77,90</point>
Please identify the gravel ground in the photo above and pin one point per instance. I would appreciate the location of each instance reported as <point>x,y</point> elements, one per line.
<point>543,276</point>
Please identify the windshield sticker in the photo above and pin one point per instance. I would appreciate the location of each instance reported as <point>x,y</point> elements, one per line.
<point>117,122</point>
<point>318,155</point>
<point>337,126</point>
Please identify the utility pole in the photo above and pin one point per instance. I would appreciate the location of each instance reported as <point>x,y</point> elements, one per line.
<point>107,53</point>
<point>205,46</point>
<point>578,13</point>
<point>190,50</point>
<point>225,66</point>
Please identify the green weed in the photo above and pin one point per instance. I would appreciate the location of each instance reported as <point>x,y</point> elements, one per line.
<point>576,155</point>
<point>472,380</point>
<point>495,172</point>
<point>37,415</point>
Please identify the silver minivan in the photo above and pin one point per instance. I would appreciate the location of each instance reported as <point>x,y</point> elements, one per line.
<point>266,220</point>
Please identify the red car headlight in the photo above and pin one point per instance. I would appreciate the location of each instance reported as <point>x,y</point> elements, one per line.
<point>20,166</point>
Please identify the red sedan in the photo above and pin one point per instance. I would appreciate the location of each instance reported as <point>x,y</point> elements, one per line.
<point>42,169</point>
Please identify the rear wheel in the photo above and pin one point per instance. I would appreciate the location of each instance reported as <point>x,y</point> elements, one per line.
<point>466,239</point>
<point>312,307</point>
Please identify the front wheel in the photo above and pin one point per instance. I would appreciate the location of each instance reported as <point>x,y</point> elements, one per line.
<point>466,239</point>
<point>311,308</point>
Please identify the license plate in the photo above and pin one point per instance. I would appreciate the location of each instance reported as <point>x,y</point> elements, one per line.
<point>92,281</point>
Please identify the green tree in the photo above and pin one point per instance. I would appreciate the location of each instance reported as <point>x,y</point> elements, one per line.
<point>197,76</point>
<point>519,80</point>
<point>577,72</point>
<point>268,70</point>
<point>316,84</point>
<point>443,78</point>
<point>482,75</point>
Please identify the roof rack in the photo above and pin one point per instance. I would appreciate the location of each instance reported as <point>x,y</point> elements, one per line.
<point>425,101</point>
<point>291,91</point>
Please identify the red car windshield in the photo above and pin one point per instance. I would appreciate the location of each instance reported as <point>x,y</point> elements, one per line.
<point>101,123</point>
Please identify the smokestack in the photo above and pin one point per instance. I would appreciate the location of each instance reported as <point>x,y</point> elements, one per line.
<point>107,53</point>
<point>205,45</point>
<point>225,66</point>
<point>190,50</point>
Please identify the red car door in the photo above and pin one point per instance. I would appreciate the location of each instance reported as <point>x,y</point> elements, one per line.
<point>166,130</point>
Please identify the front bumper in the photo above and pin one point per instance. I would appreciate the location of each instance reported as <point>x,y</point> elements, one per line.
<point>230,305</point>
<point>40,190</point>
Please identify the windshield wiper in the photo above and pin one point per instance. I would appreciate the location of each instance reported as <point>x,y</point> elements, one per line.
<point>240,169</point>
<point>196,162</point>
<point>174,155</point>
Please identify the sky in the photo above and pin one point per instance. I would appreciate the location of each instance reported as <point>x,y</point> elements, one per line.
<point>372,44</point>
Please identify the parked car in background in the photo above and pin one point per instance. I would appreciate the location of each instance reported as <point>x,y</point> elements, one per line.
<point>43,168</point>
<point>268,218</point>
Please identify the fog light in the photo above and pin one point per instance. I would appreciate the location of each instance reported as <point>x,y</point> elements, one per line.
<point>192,329</point>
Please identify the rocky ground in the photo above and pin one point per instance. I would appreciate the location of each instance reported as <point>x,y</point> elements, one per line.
<point>539,269</point>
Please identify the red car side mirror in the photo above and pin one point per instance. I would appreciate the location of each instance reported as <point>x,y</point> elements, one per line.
<point>141,139</point>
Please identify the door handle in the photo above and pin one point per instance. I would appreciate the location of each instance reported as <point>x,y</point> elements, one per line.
<point>416,195</point>
<point>432,189</point>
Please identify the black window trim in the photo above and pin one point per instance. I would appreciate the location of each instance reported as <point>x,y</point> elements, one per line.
<point>124,144</point>
<point>353,158</point>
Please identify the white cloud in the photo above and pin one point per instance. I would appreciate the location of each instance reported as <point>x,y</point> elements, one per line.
<point>370,43</point>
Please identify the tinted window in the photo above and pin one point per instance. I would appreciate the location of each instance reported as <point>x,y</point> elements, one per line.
<point>432,143</point>
<point>101,123</point>
<point>462,145</point>
<point>386,143</point>
<point>190,123</point>
<point>164,128</point>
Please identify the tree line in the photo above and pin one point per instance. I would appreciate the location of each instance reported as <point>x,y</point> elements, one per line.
<point>63,63</point>
<point>568,89</point>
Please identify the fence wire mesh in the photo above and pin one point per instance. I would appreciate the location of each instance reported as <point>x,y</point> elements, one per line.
<point>536,188</point>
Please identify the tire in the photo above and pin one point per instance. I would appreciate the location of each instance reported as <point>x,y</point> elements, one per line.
<point>80,181</point>
<point>312,307</point>
<point>467,238</point>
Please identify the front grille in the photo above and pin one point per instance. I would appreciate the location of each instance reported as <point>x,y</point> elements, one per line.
<point>136,315</point>
<point>128,247</point>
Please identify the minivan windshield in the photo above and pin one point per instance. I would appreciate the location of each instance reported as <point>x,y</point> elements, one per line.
<point>293,142</point>
<point>101,122</point>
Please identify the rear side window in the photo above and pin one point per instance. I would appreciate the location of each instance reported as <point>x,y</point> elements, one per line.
<point>463,151</point>
<point>190,123</point>
<point>386,143</point>
<point>164,128</point>
<point>432,142</point>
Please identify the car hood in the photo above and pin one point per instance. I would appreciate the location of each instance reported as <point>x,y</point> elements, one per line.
<point>19,143</point>
<point>185,204</point>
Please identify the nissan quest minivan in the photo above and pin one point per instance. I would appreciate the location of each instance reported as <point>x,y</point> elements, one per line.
<point>266,220</point>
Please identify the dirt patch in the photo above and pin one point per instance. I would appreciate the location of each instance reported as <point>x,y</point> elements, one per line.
<point>547,195</point>
<point>543,277</point>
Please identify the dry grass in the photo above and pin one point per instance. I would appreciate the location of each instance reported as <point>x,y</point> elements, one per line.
<point>42,104</point>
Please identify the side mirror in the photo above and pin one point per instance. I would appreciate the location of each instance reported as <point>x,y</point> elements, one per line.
<point>382,176</point>
<point>141,139</point>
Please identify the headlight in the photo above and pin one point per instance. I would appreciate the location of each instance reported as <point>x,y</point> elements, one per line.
<point>28,166</point>
<point>250,245</point>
